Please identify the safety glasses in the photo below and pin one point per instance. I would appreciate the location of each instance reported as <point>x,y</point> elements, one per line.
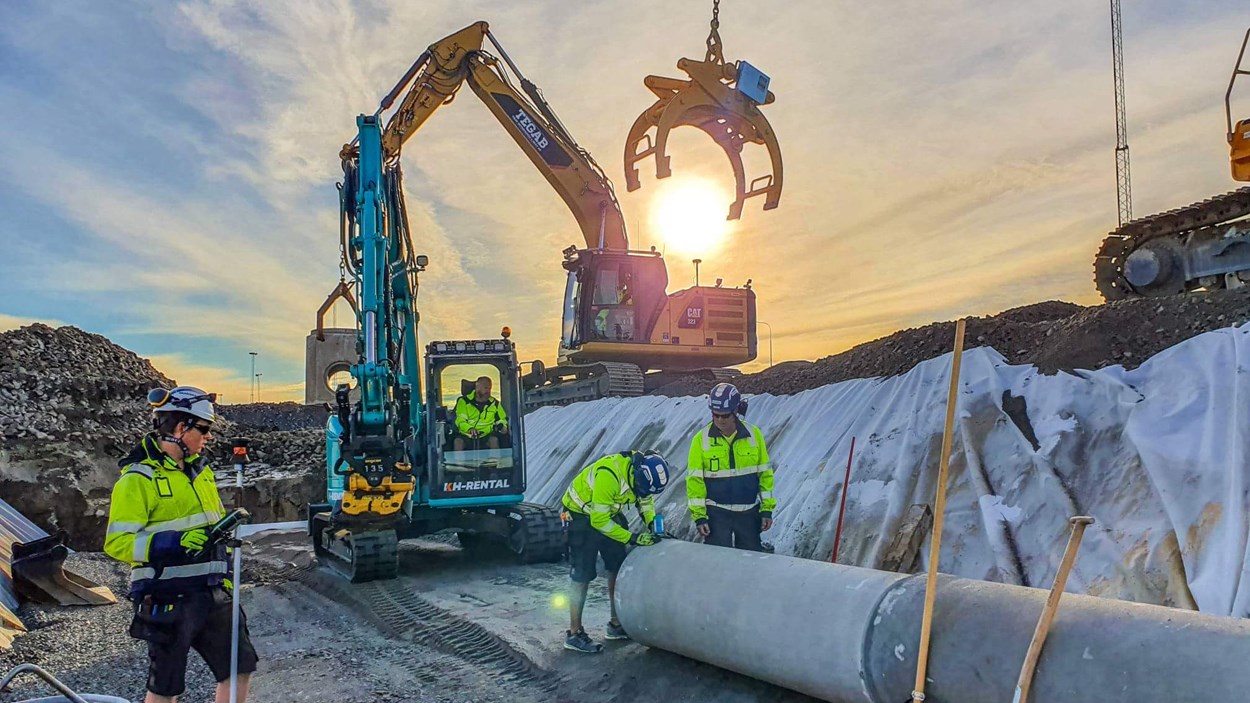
<point>158,397</point>
<point>202,429</point>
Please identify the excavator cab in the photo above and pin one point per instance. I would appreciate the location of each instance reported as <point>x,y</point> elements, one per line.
<point>1238,134</point>
<point>466,470</point>
<point>612,297</point>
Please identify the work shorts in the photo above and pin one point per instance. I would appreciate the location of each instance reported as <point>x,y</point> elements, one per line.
<point>586,544</point>
<point>175,624</point>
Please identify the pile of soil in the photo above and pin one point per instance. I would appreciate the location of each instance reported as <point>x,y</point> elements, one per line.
<point>1054,336</point>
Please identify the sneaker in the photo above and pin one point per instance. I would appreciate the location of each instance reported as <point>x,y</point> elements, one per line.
<point>581,642</point>
<point>615,632</point>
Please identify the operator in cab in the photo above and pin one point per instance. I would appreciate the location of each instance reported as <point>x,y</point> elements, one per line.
<point>180,583</point>
<point>480,418</point>
<point>597,527</point>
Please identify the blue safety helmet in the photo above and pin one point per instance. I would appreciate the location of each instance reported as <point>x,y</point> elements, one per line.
<point>724,399</point>
<point>651,473</point>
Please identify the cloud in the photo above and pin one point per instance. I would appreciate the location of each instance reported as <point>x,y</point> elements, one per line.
<point>939,160</point>
<point>12,322</point>
<point>230,384</point>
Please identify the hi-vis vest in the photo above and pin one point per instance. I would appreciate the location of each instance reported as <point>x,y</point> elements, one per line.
<point>469,416</point>
<point>153,495</point>
<point>601,491</point>
<point>728,474</point>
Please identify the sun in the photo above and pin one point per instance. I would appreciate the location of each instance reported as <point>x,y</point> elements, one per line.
<point>689,215</point>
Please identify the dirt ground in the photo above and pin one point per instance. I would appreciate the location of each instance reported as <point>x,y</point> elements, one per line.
<point>453,627</point>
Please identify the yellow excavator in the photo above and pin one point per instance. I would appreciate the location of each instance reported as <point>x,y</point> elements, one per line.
<point>1205,245</point>
<point>618,320</point>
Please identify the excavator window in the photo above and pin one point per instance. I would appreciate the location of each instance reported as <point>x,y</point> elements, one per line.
<point>624,299</point>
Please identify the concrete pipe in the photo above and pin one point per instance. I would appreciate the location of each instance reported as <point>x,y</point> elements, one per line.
<point>850,635</point>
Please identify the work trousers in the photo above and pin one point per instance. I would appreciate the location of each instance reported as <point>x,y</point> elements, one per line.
<point>740,530</point>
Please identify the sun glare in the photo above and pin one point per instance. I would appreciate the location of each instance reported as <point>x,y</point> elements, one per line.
<point>690,216</point>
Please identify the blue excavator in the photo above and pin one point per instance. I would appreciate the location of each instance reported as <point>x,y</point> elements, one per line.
<point>396,466</point>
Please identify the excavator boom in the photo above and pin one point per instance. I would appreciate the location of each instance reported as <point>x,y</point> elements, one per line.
<point>437,76</point>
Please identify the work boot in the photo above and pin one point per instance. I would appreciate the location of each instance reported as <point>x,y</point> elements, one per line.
<point>581,642</point>
<point>615,632</point>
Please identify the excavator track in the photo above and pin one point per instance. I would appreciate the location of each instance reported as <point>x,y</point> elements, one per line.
<point>602,379</point>
<point>537,534</point>
<point>362,556</point>
<point>1174,225</point>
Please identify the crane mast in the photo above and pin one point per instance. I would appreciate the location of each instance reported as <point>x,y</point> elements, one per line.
<point>1123,181</point>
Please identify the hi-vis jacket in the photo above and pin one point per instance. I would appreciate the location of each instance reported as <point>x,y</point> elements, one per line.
<point>472,416</point>
<point>153,503</point>
<point>730,474</point>
<point>602,490</point>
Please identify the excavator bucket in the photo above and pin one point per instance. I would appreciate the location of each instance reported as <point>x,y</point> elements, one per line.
<point>39,574</point>
<point>722,100</point>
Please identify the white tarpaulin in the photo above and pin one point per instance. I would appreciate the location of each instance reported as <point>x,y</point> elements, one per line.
<point>1159,455</point>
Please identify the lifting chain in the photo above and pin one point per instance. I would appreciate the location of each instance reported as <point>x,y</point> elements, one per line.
<point>713,38</point>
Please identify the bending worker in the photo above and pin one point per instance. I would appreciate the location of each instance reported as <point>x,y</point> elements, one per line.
<point>479,417</point>
<point>161,508</point>
<point>729,481</point>
<point>594,502</point>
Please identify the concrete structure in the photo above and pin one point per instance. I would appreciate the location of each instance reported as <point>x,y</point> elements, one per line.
<point>325,357</point>
<point>850,635</point>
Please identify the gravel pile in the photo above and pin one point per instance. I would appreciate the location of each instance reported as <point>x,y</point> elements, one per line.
<point>66,384</point>
<point>267,417</point>
<point>72,403</point>
<point>1054,336</point>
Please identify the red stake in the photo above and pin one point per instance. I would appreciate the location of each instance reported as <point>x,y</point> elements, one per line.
<point>837,537</point>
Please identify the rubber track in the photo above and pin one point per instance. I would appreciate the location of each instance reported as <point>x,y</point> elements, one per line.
<point>544,539</point>
<point>402,613</point>
<point>1109,263</point>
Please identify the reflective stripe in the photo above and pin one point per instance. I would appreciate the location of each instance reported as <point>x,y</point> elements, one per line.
<point>698,502</point>
<point>584,505</point>
<point>765,495</point>
<point>731,473</point>
<point>732,507</point>
<point>601,509</point>
<point>141,469</point>
<point>140,552</point>
<point>176,572</point>
<point>183,523</point>
<point>127,527</point>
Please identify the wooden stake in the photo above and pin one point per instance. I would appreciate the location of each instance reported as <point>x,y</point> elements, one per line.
<point>1025,682</point>
<point>837,535</point>
<point>939,512</point>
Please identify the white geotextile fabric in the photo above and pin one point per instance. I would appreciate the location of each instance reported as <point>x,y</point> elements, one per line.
<point>1159,455</point>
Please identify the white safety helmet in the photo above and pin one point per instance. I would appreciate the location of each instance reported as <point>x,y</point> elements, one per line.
<point>184,399</point>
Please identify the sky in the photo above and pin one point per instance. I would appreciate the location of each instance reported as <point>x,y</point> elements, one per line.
<point>168,169</point>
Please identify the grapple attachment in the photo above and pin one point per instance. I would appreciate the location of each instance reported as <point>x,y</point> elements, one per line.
<point>720,99</point>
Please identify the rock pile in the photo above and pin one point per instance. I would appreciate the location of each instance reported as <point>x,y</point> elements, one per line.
<point>72,403</point>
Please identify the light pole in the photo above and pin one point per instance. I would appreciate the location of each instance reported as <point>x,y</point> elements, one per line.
<point>770,341</point>
<point>251,384</point>
<point>696,272</point>
<point>258,387</point>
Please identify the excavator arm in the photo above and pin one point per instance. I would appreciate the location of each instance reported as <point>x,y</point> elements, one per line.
<point>436,77</point>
